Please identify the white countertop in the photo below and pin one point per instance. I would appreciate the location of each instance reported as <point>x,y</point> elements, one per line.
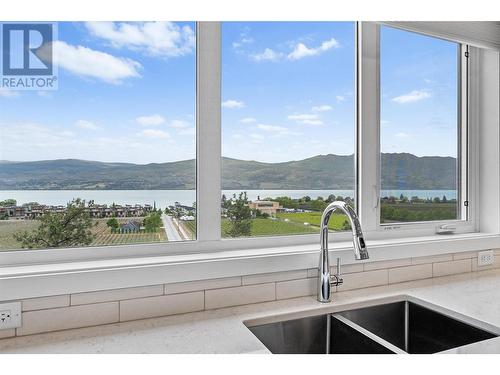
<point>472,297</point>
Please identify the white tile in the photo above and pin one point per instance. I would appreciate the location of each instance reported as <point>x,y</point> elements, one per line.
<point>192,286</point>
<point>312,272</point>
<point>116,294</point>
<point>387,264</point>
<point>465,255</point>
<point>296,288</point>
<point>68,317</point>
<point>451,268</point>
<point>363,280</point>
<point>150,307</point>
<point>4,333</point>
<point>274,276</point>
<point>42,303</point>
<point>348,268</point>
<point>432,259</point>
<point>408,273</point>
<point>241,295</point>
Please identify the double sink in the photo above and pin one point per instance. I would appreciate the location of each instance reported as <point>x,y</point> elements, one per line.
<point>398,327</point>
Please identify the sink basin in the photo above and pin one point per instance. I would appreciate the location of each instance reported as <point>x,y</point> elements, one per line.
<point>396,327</point>
<point>415,328</point>
<point>316,335</point>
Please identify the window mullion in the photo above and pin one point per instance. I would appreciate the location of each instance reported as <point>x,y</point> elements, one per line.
<point>368,125</point>
<point>208,133</point>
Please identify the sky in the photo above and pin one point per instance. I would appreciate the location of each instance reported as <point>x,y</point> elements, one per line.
<point>126,93</point>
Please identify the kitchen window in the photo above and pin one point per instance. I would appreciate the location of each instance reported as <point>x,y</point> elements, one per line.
<point>259,125</point>
<point>420,128</point>
<point>109,157</point>
<point>288,126</point>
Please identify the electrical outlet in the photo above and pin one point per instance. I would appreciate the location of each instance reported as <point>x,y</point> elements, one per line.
<point>10,315</point>
<point>485,258</point>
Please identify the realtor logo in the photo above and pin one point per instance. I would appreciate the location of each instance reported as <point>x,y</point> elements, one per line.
<point>27,56</point>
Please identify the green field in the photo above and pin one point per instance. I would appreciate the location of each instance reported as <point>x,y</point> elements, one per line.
<point>7,230</point>
<point>269,227</point>
<point>314,218</point>
<point>408,212</point>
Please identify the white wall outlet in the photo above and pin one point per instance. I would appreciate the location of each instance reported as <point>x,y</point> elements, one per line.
<point>485,258</point>
<point>10,315</point>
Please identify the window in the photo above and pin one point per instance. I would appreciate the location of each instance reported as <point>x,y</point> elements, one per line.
<point>300,126</point>
<point>113,145</point>
<point>288,124</point>
<point>420,127</point>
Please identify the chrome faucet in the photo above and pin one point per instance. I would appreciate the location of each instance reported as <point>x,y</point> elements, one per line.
<point>325,280</point>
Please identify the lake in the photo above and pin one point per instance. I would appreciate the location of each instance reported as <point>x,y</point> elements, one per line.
<point>165,198</point>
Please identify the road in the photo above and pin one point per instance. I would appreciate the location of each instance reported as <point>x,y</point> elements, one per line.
<point>170,228</point>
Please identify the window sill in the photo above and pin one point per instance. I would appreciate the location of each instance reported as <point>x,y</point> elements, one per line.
<point>17,282</point>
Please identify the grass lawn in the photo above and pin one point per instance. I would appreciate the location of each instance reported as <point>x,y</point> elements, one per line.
<point>268,227</point>
<point>314,218</point>
<point>9,227</point>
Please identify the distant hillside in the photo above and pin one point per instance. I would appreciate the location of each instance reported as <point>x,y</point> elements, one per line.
<point>401,171</point>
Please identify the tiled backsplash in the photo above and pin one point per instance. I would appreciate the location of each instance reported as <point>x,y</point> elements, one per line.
<point>62,312</point>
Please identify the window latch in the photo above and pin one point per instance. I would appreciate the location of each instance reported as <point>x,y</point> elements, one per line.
<point>446,229</point>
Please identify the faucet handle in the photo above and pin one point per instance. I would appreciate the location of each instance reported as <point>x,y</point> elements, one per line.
<point>337,279</point>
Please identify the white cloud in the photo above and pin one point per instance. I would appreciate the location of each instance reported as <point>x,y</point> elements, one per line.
<point>267,55</point>
<point>87,62</point>
<point>301,50</point>
<point>87,125</point>
<point>45,94</point>
<point>272,128</point>
<point>311,122</point>
<point>155,133</point>
<point>340,98</point>
<point>256,136</point>
<point>414,96</point>
<point>248,120</point>
<point>4,93</point>
<point>403,135</point>
<point>178,124</point>
<point>231,103</point>
<point>306,119</point>
<point>165,39</point>
<point>322,108</point>
<point>275,130</point>
<point>303,117</point>
<point>187,131</point>
<point>152,120</point>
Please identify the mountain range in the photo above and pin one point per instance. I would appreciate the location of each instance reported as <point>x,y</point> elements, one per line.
<point>399,171</point>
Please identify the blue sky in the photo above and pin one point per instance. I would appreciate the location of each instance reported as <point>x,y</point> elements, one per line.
<point>127,93</point>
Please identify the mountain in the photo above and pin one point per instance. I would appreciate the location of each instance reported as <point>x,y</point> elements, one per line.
<point>400,171</point>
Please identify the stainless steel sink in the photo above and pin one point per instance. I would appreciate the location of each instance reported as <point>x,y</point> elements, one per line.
<point>396,327</point>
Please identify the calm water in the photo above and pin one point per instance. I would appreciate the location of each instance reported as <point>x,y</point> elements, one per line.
<point>165,198</point>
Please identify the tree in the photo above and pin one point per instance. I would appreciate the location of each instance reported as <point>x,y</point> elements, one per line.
<point>239,215</point>
<point>113,223</point>
<point>152,222</point>
<point>70,228</point>
<point>8,202</point>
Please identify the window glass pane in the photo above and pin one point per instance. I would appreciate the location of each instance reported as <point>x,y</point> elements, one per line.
<point>287,125</point>
<point>419,127</point>
<point>117,133</point>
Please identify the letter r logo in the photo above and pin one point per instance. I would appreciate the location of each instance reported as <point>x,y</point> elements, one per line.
<point>27,49</point>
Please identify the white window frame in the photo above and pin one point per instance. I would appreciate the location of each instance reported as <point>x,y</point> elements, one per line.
<point>369,143</point>
<point>208,166</point>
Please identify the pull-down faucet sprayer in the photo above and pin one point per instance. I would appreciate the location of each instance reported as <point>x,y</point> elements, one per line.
<point>325,280</point>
